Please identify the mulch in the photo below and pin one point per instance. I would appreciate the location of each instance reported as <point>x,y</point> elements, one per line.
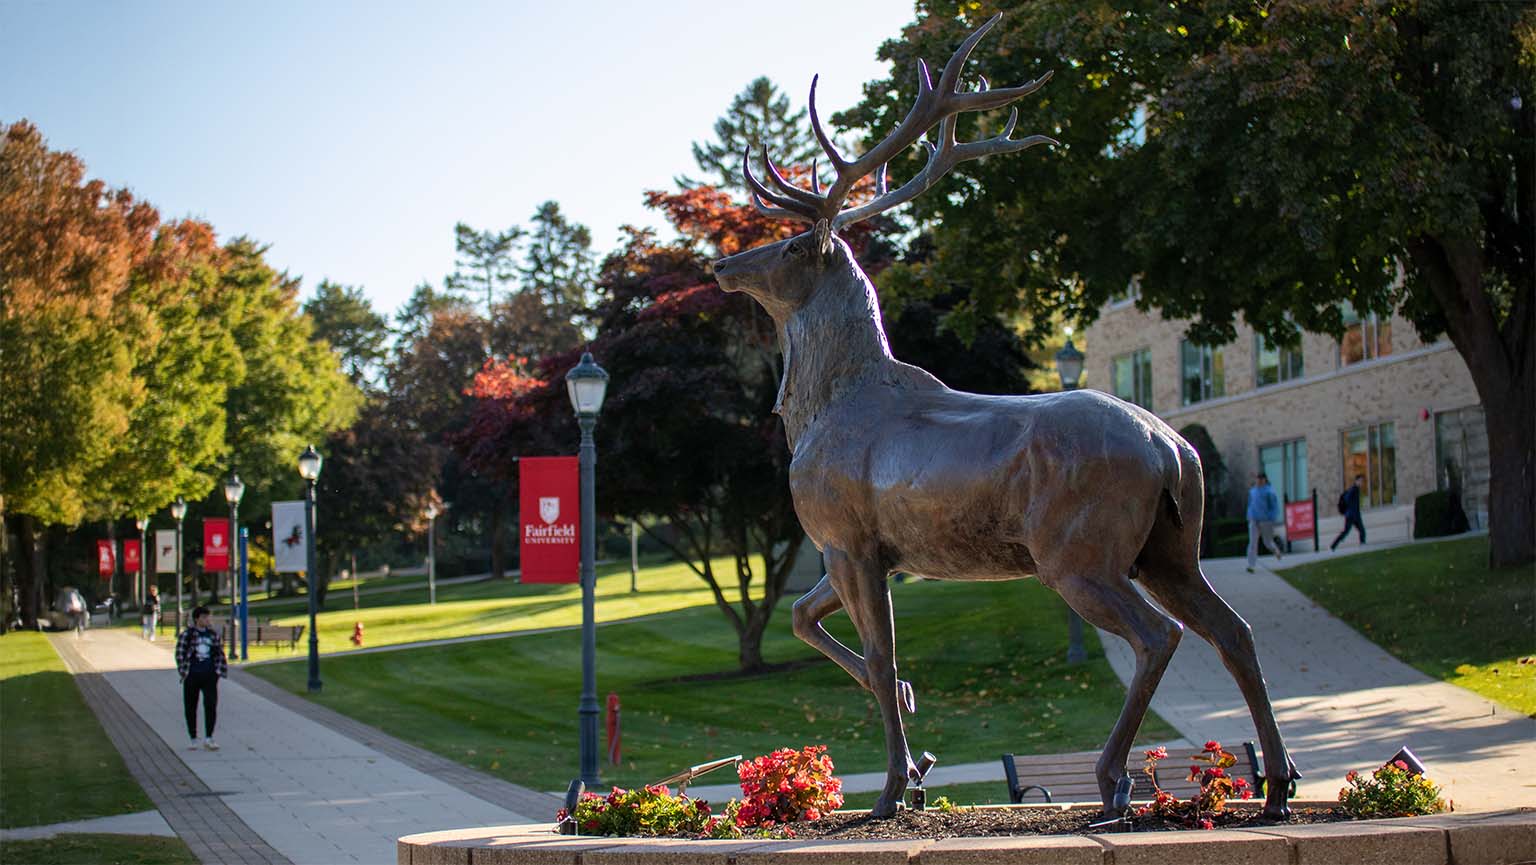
<point>983,822</point>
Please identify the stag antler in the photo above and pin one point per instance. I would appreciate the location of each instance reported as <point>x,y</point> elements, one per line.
<point>933,106</point>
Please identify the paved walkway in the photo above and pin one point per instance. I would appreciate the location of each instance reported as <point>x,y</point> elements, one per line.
<point>308,791</point>
<point>1341,701</point>
<point>142,823</point>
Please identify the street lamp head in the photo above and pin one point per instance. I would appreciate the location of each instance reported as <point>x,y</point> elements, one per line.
<point>140,522</point>
<point>586,384</point>
<point>1069,365</point>
<point>431,510</point>
<point>309,464</point>
<point>179,509</point>
<point>234,489</point>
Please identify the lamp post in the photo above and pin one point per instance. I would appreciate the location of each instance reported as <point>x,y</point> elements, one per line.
<point>586,384</point>
<point>140,579</point>
<point>309,470</point>
<point>1069,366</point>
<point>179,512</point>
<point>432,553</point>
<point>234,490</point>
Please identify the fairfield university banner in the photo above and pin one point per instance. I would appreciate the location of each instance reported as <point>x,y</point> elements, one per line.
<point>215,543</point>
<point>131,557</point>
<point>550,507</point>
<point>106,560</point>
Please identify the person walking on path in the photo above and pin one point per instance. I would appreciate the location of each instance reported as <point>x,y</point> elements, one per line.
<point>1349,506</point>
<point>200,662</point>
<point>1263,516</point>
<point>150,617</point>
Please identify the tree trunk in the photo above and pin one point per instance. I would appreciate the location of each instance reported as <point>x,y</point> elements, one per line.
<point>29,570</point>
<point>1512,477</point>
<point>750,641</point>
<point>498,566</point>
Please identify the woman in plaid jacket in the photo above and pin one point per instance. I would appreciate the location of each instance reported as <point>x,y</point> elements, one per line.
<point>201,663</point>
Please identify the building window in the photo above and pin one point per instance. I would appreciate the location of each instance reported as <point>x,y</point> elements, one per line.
<point>1272,364</point>
<point>1366,337</point>
<point>1202,371</point>
<point>1131,375</point>
<point>1461,459</point>
<point>1285,464</point>
<point>1372,451</point>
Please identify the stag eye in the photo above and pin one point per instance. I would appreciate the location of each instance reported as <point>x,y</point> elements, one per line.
<point>794,250</point>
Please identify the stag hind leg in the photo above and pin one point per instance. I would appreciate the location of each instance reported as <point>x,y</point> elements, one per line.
<point>1186,594</point>
<point>1109,601</point>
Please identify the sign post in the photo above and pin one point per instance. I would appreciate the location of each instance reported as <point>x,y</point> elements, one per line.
<point>550,519</point>
<point>245,598</point>
<point>1300,521</point>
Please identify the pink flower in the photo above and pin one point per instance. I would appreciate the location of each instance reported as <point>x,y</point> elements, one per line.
<point>812,814</point>
<point>1400,764</point>
<point>1206,823</point>
<point>1158,753</point>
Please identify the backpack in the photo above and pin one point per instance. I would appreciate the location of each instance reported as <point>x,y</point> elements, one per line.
<point>1344,502</point>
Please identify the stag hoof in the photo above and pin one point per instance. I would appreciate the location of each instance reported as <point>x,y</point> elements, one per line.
<point>908,699</point>
<point>1277,812</point>
<point>885,807</point>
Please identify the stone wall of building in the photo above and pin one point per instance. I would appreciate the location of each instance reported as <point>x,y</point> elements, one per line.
<point>1405,388</point>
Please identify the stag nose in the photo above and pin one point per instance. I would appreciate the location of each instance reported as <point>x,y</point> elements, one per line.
<point>720,266</point>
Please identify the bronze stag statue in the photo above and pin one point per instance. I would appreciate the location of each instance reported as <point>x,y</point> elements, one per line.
<point>892,471</point>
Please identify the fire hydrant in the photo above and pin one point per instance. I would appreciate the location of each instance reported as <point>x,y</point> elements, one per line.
<point>357,634</point>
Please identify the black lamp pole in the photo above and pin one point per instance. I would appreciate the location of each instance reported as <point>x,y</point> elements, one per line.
<point>586,384</point>
<point>1069,366</point>
<point>309,469</point>
<point>179,511</point>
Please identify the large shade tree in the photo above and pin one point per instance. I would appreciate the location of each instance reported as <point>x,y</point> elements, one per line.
<point>1270,162</point>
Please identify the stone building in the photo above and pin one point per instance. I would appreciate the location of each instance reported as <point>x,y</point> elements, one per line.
<point>1380,402</point>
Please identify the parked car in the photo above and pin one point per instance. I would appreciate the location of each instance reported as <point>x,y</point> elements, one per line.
<point>68,612</point>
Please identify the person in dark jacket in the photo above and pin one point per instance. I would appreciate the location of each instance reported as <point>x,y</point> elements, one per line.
<point>1349,503</point>
<point>150,615</point>
<point>200,661</point>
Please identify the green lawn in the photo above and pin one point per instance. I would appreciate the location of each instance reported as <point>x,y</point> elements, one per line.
<point>489,607</point>
<point>98,850</point>
<point>1440,608</point>
<point>986,659</point>
<point>56,763</point>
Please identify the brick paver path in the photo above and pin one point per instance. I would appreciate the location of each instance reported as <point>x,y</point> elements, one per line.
<point>311,788</point>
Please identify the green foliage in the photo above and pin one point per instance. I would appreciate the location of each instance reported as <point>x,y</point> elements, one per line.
<point>484,263</point>
<point>758,116</point>
<point>345,319</point>
<point>1392,791</point>
<point>651,810</point>
<point>59,763</point>
<point>1440,608</point>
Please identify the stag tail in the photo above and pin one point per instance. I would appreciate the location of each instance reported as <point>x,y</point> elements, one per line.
<point>934,106</point>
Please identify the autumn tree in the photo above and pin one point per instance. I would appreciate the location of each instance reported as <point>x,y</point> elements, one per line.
<point>1265,161</point>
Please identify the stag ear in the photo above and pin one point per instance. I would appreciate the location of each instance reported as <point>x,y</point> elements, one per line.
<point>823,234</point>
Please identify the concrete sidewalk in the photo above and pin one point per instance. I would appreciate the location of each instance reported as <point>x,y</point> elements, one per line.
<point>313,794</point>
<point>1341,701</point>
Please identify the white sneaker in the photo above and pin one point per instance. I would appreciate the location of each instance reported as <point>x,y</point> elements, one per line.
<point>194,746</point>
<point>210,745</point>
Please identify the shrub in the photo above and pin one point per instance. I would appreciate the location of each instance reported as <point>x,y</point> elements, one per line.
<point>1437,514</point>
<point>1216,787</point>
<point>787,786</point>
<point>650,810</point>
<point>1392,791</point>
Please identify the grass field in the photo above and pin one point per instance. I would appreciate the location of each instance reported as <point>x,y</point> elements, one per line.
<point>98,850</point>
<point>58,764</point>
<point>488,607</point>
<point>987,661</point>
<point>1440,608</point>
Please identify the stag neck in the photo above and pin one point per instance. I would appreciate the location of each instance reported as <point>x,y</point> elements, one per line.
<point>834,344</point>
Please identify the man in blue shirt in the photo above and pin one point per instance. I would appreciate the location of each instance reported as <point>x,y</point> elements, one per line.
<point>1349,506</point>
<point>1263,516</point>
<point>200,661</point>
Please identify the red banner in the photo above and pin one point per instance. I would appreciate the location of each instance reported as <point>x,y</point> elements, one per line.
<point>215,544</point>
<point>106,559</point>
<point>550,509</point>
<point>131,557</point>
<point>1298,520</point>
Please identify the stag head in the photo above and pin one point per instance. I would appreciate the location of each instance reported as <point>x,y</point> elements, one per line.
<point>781,276</point>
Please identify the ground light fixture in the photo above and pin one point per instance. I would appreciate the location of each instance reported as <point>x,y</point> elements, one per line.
<point>1069,367</point>
<point>309,470</point>
<point>587,384</point>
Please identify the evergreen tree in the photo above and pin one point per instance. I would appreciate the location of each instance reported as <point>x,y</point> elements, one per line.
<point>484,264</point>
<point>345,319</point>
<point>758,116</point>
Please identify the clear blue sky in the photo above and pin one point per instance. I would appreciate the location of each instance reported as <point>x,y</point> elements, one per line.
<point>351,136</point>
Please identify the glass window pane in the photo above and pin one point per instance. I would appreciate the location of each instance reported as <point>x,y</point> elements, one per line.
<point>1388,470</point>
<point>1354,455</point>
<point>1218,384</point>
<point>1120,374</point>
<point>1299,487</point>
<point>1266,363</point>
<point>1383,337</point>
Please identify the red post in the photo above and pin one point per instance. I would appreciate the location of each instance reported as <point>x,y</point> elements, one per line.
<point>615,750</point>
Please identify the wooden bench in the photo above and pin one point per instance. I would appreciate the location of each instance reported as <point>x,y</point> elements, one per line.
<point>1070,777</point>
<point>271,635</point>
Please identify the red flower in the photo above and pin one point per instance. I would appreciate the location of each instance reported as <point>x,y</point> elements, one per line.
<point>1352,775</point>
<point>1205,823</point>
<point>1216,772</point>
<point>1158,753</point>
<point>1400,764</point>
<point>1213,746</point>
<point>812,814</point>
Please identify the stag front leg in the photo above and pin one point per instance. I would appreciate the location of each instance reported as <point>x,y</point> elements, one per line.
<point>867,596</point>
<point>822,601</point>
